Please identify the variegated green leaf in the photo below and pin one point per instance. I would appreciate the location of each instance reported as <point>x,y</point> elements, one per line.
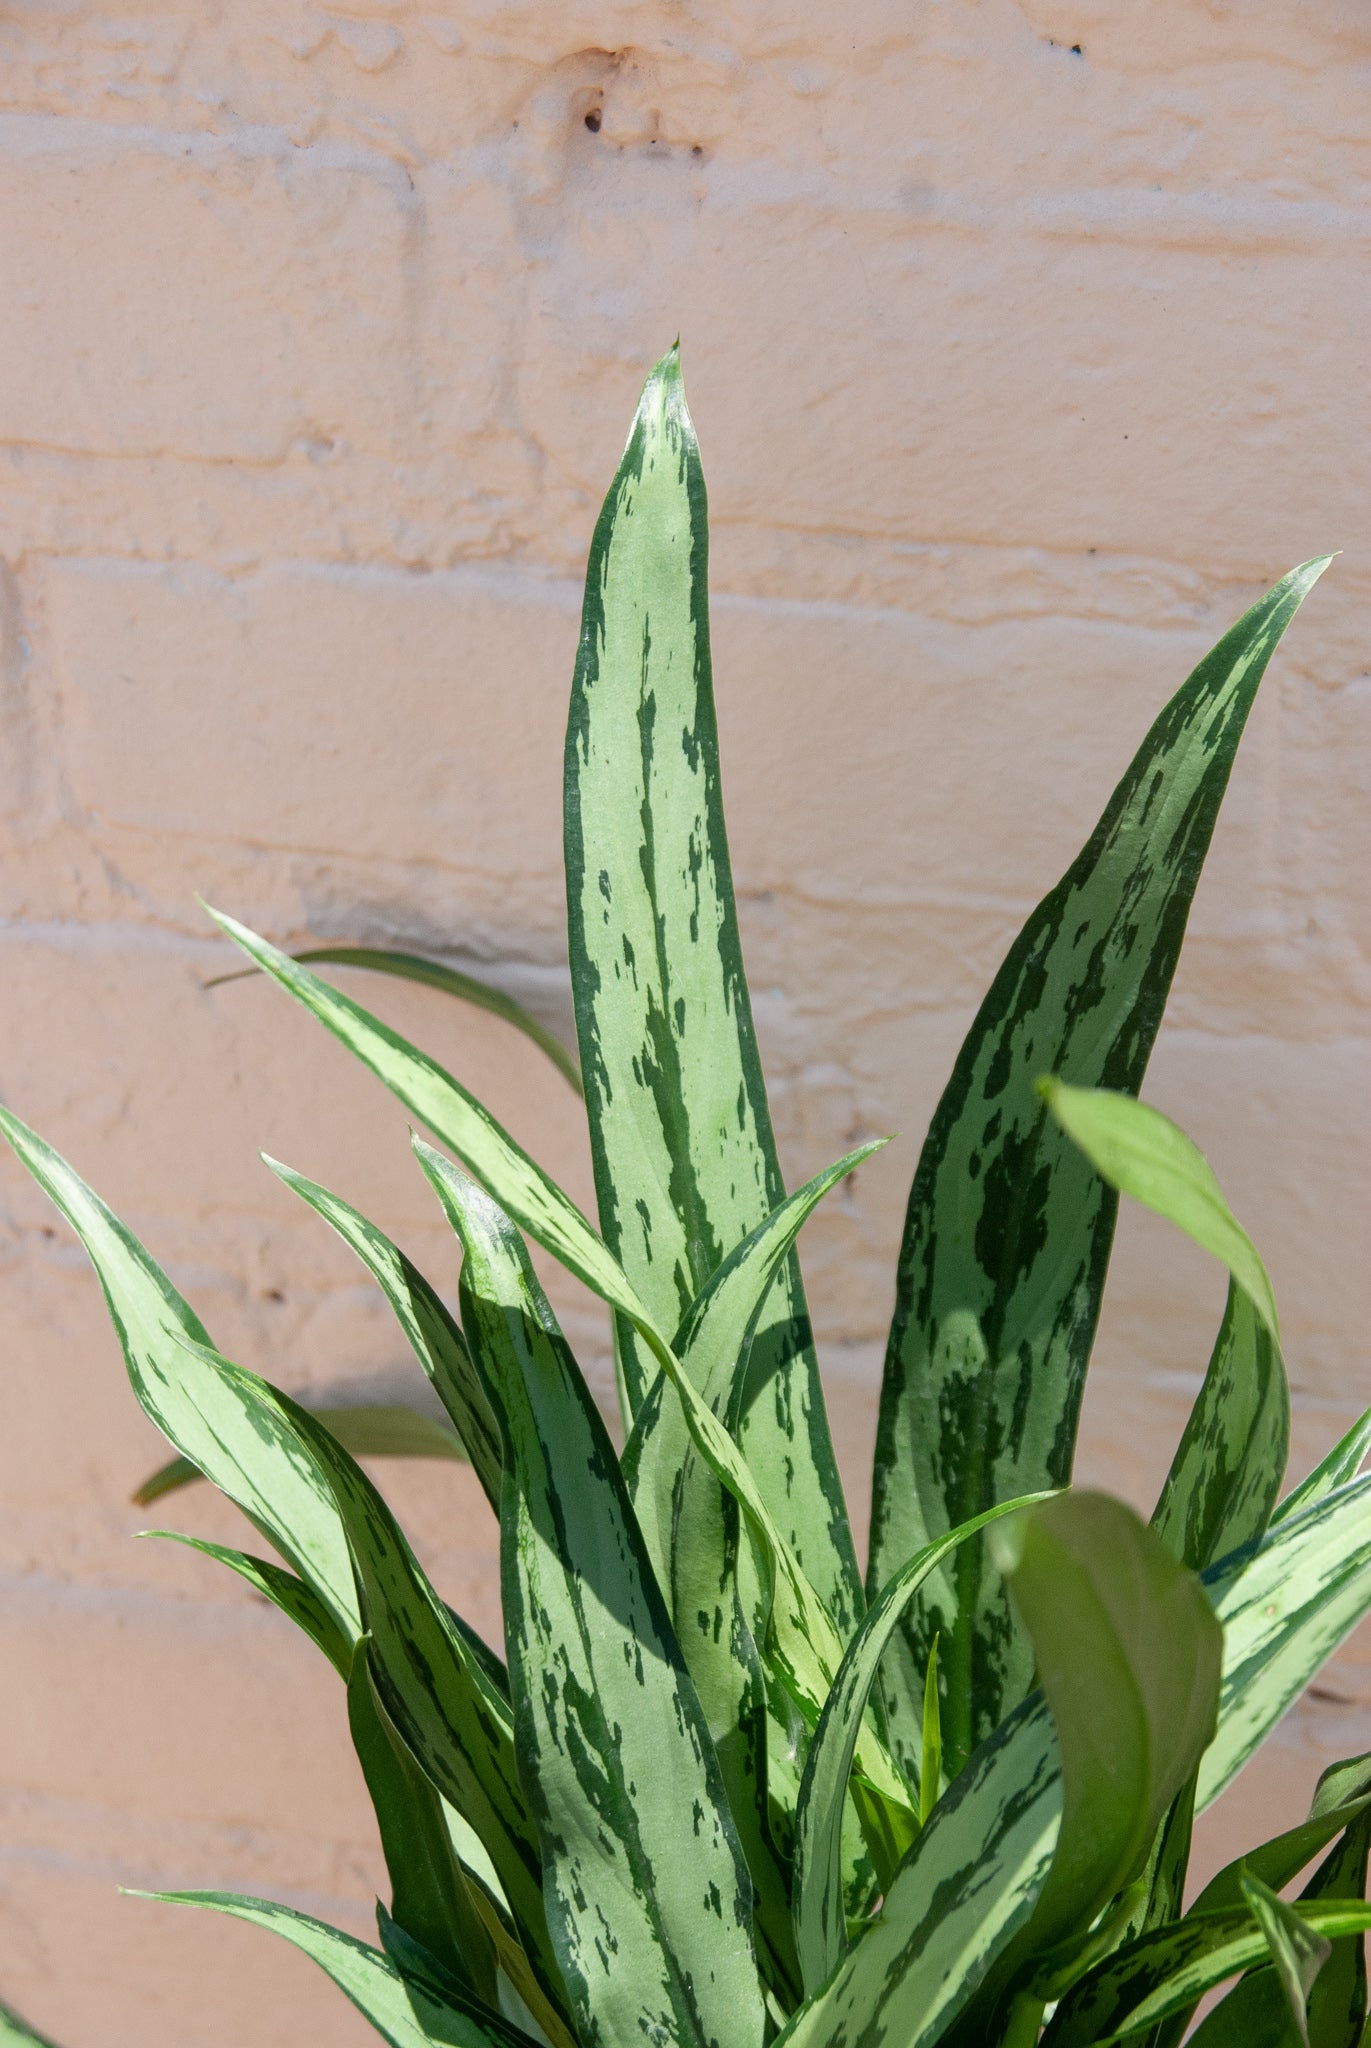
<point>257,1461</point>
<point>1342,1464</point>
<point>685,1161</point>
<point>453,1717</point>
<point>651,1918</point>
<point>1298,1951</point>
<point>435,1338</point>
<point>1008,1231</point>
<point>820,1923</point>
<point>1170,1970</point>
<point>1226,1475</point>
<point>434,974</point>
<point>368,1431</point>
<point>714,1594</point>
<point>502,1168</point>
<point>1286,1605</point>
<point>294,1598</point>
<point>403,2014</point>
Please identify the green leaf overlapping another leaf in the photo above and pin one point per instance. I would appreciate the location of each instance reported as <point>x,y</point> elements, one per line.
<point>651,1918</point>
<point>1008,1233</point>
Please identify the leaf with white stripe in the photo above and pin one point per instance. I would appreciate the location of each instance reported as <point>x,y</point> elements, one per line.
<point>366,1429</point>
<point>1008,1231</point>
<point>1342,1464</point>
<point>259,1463</point>
<point>647,1894</point>
<point>685,1161</point>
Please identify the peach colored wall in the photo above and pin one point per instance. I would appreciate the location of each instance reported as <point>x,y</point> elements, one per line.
<point>1019,369</point>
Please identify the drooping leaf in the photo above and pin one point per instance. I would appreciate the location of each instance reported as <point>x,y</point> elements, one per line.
<point>685,1161</point>
<point>931,1764</point>
<point>1008,1231</point>
<point>1298,1951</point>
<point>1227,1472</point>
<point>1343,1795</point>
<point>1171,1969</point>
<point>368,1431</point>
<point>502,1168</point>
<point>294,1598</point>
<point>1338,2003</point>
<point>651,1918</point>
<point>434,974</point>
<point>1285,1604</point>
<point>258,1462</point>
<point>402,2013</point>
<point>434,1336</point>
<point>820,1931</point>
<point>430,1897</point>
<point>455,1721</point>
<point>1343,1463</point>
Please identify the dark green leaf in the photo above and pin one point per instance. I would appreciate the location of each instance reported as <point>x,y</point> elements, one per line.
<point>685,1161</point>
<point>433,974</point>
<point>1008,1232</point>
<point>1298,1951</point>
<point>651,1918</point>
<point>430,1896</point>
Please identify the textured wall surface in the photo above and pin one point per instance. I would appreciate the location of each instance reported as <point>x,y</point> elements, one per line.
<point>1027,342</point>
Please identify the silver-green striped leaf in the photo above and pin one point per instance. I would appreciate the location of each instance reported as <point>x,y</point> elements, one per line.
<point>1226,1475</point>
<point>1008,1231</point>
<point>971,1879</point>
<point>647,1892</point>
<point>1342,1464</point>
<point>257,1461</point>
<point>366,1429</point>
<point>17,2033</point>
<point>450,1712</point>
<point>435,974</point>
<point>404,2013</point>
<point>685,1161</point>
<point>1285,1605</point>
<point>435,1338</point>
<point>291,1595</point>
<point>820,1921</point>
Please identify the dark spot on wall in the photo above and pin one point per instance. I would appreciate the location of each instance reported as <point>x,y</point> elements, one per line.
<point>593,120</point>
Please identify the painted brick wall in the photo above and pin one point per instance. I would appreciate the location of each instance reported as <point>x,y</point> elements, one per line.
<point>1027,341</point>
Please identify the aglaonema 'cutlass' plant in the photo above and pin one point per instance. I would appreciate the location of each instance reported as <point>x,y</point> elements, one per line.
<point>721,1791</point>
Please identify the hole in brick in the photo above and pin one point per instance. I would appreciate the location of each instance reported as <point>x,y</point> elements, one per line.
<point>593,120</point>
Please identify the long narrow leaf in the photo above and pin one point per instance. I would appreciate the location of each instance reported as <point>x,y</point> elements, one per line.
<point>685,1161</point>
<point>820,1930</point>
<point>434,1337</point>
<point>1226,1475</point>
<point>651,1920</point>
<point>1008,1232</point>
<point>1342,1464</point>
<point>455,1721</point>
<point>368,1431</point>
<point>293,1597</point>
<point>258,1462</point>
<point>1298,1951</point>
<point>434,974</point>
<point>403,2014</point>
<point>17,2033</point>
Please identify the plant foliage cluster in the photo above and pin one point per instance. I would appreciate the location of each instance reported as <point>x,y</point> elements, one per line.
<point>721,1790</point>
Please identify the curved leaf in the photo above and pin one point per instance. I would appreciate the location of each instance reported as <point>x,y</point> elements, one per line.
<point>1226,1474</point>
<point>434,1337</point>
<point>403,2013</point>
<point>294,1598</point>
<point>651,1918</point>
<point>1008,1231</point>
<point>434,974</point>
<point>685,1161</point>
<point>365,1430</point>
<point>1298,1951</point>
<point>257,1461</point>
<point>1342,1464</point>
<point>17,2033</point>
